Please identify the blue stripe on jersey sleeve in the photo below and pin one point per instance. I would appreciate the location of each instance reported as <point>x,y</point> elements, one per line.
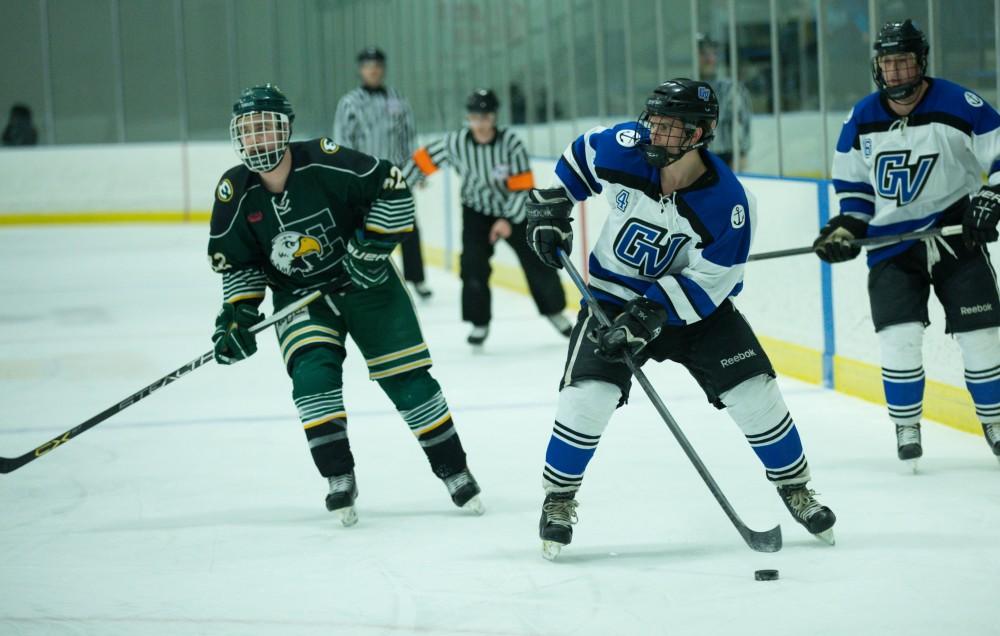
<point>572,180</point>
<point>995,166</point>
<point>839,185</point>
<point>580,154</point>
<point>859,206</point>
<point>700,300</point>
<point>656,294</point>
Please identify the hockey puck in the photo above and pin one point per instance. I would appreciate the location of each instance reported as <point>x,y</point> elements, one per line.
<point>766,575</point>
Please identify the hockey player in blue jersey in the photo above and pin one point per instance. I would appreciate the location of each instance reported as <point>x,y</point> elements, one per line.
<point>668,259</point>
<point>908,158</point>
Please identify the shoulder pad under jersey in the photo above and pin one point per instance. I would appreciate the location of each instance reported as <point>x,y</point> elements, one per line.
<point>228,194</point>
<point>324,151</point>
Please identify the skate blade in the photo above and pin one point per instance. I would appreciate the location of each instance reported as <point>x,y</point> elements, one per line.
<point>348,516</point>
<point>826,537</point>
<point>475,506</point>
<point>551,549</point>
<point>914,464</point>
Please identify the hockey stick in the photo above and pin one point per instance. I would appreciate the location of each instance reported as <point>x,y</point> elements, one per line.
<point>9,464</point>
<point>874,241</point>
<point>767,541</point>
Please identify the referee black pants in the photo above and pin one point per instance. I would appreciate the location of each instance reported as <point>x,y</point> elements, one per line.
<point>543,281</point>
<point>413,260</point>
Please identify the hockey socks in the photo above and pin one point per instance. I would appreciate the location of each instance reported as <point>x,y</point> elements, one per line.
<point>583,413</point>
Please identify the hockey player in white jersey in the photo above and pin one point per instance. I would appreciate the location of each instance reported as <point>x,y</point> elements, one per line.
<point>908,158</point>
<point>668,259</point>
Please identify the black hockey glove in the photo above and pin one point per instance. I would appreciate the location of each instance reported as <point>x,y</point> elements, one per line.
<point>639,323</point>
<point>979,224</point>
<point>367,261</point>
<point>232,337</point>
<point>833,244</point>
<point>548,226</point>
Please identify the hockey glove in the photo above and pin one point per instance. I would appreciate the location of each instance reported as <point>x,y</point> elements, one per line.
<point>833,244</point>
<point>232,337</point>
<point>367,261</point>
<point>639,323</point>
<point>548,226</point>
<point>979,224</point>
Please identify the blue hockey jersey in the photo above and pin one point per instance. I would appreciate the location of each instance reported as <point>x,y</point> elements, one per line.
<point>685,251</point>
<point>898,174</point>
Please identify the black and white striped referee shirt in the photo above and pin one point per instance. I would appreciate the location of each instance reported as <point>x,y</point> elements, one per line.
<point>378,122</point>
<point>496,176</point>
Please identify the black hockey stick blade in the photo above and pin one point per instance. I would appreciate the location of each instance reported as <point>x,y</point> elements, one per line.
<point>10,464</point>
<point>768,541</point>
<point>874,241</point>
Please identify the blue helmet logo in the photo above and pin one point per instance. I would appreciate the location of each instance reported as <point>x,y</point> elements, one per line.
<point>704,93</point>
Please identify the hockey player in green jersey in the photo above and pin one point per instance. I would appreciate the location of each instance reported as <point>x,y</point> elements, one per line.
<point>298,217</point>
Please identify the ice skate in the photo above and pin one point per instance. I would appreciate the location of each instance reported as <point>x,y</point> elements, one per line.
<point>908,446</point>
<point>561,323</point>
<point>817,518</point>
<point>992,433</point>
<point>478,335</point>
<point>464,491</point>
<point>422,290</point>
<point>555,527</point>
<point>343,492</point>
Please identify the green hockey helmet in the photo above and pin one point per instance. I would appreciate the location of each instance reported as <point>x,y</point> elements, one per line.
<point>261,127</point>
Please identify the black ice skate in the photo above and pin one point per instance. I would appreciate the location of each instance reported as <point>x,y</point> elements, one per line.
<point>478,334</point>
<point>561,323</point>
<point>992,433</point>
<point>556,524</point>
<point>422,290</point>
<point>817,518</point>
<point>908,446</point>
<point>343,492</point>
<point>464,491</point>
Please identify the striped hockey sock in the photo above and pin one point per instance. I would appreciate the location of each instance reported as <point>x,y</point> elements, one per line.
<point>904,394</point>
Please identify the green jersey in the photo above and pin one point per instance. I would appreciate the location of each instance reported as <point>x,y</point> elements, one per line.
<point>295,240</point>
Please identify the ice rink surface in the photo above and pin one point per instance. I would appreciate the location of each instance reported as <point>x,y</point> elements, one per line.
<point>199,511</point>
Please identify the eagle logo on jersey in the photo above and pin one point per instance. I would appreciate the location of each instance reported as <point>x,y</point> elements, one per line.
<point>225,191</point>
<point>290,249</point>
<point>896,178</point>
<point>648,248</point>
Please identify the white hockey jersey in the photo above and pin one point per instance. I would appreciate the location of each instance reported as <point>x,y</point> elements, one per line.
<point>900,174</point>
<point>685,251</point>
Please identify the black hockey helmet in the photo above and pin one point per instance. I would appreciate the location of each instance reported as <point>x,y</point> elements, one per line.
<point>482,100</point>
<point>691,101</point>
<point>371,54</point>
<point>261,126</point>
<point>894,38</point>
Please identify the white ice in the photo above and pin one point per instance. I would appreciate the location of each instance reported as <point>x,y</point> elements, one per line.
<point>199,511</point>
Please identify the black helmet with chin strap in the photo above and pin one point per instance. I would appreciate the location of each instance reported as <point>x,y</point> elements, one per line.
<point>894,38</point>
<point>692,102</point>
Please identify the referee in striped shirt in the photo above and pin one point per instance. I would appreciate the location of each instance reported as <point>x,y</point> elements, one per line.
<point>496,177</point>
<point>378,121</point>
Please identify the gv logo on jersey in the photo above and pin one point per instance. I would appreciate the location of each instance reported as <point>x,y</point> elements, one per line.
<point>896,178</point>
<point>648,248</point>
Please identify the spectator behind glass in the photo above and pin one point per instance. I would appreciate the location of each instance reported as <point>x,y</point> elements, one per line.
<point>19,130</point>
